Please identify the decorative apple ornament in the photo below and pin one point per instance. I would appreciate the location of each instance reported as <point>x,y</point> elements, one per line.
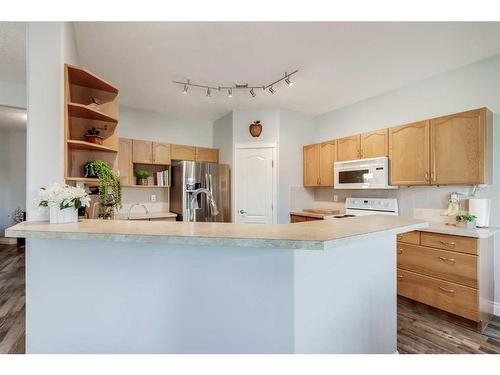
<point>255,129</point>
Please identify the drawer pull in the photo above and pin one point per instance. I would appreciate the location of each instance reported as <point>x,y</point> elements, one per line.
<point>449,244</point>
<point>400,276</point>
<point>451,291</point>
<point>449,260</point>
<point>400,251</point>
<point>400,236</point>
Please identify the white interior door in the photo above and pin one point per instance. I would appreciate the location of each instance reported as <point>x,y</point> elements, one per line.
<point>253,185</point>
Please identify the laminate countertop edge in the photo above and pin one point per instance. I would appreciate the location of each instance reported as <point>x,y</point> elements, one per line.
<point>320,235</point>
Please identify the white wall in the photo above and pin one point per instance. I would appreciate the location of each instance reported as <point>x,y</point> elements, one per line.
<point>50,45</point>
<point>296,129</point>
<point>12,175</point>
<point>473,86</point>
<point>12,94</point>
<point>157,126</point>
<point>223,138</point>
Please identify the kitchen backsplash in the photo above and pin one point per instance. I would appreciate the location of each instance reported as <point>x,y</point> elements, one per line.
<point>409,198</point>
<point>131,195</point>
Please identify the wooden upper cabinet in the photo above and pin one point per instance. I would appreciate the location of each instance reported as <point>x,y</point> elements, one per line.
<point>161,153</point>
<point>409,154</point>
<point>461,148</point>
<point>348,148</point>
<point>182,152</point>
<point>125,161</point>
<point>318,164</point>
<point>210,155</point>
<point>311,165</point>
<point>375,144</point>
<point>326,161</point>
<point>142,151</point>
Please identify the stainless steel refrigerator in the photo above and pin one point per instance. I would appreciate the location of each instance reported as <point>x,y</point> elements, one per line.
<point>200,191</point>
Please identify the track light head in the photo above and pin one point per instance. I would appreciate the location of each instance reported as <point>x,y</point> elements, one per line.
<point>288,82</point>
<point>272,90</point>
<point>230,93</point>
<point>252,93</point>
<point>209,94</point>
<point>185,91</point>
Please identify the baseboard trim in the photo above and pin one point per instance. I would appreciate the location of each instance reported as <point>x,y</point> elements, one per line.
<point>8,241</point>
<point>496,308</point>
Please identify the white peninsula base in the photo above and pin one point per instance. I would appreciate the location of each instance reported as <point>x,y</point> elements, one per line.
<point>90,296</point>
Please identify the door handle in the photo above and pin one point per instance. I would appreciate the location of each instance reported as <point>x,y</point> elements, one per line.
<point>243,212</point>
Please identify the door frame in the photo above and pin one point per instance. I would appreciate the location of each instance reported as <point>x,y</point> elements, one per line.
<point>274,149</point>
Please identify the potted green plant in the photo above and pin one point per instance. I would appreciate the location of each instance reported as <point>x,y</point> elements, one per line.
<point>466,221</point>
<point>110,190</point>
<point>142,176</point>
<point>93,136</point>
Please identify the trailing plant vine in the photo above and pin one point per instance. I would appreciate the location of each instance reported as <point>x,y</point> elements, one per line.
<point>107,180</point>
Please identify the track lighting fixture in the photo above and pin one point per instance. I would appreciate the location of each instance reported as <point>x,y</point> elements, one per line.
<point>244,86</point>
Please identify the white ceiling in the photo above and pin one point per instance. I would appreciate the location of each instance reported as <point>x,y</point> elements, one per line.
<point>12,118</point>
<point>13,52</point>
<point>339,63</point>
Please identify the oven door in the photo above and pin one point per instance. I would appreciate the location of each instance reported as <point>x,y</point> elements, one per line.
<point>352,178</point>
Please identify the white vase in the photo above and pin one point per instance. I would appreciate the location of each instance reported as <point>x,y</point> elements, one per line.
<point>67,215</point>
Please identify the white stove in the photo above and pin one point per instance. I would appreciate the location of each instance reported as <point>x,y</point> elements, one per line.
<point>370,206</point>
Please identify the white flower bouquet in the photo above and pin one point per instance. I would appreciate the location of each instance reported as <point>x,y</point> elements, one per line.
<point>63,201</point>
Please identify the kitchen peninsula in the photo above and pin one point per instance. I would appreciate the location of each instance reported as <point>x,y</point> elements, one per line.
<point>170,287</point>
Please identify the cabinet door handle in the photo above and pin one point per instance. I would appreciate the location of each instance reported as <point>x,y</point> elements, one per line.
<point>427,176</point>
<point>400,276</point>
<point>449,244</point>
<point>447,290</point>
<point>433,176</point>
<point>450,260</point>
<point>400,251</point>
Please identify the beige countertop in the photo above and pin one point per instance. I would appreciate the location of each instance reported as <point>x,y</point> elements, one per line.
<point>458,231</point>
<point>312,235</point>
<point>145,216</point>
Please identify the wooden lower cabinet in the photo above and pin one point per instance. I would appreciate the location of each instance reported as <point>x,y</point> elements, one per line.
<point>454,298</point>
<point>451,273</point>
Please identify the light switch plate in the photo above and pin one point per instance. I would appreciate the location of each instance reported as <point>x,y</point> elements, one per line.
<point>153,197</point>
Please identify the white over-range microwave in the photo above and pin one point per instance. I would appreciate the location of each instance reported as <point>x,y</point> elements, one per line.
<point>362,174</point>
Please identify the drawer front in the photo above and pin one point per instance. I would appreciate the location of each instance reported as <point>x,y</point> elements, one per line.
<point>410,237</point>
<point>456,299</point>
<point>448,265</point>
<point>453,243</point>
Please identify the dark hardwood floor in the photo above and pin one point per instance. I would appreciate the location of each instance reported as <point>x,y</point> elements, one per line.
<point>421,330</point>
<point>12,299</point>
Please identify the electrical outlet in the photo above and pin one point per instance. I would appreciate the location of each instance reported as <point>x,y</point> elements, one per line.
<point>153,197</point>
<point>335,198</point>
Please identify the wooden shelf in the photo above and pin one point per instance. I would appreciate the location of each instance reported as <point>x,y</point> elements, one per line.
<point>83,111</point>
<point>83,145</point>
<point>82,77</point>
<point>83,179</point>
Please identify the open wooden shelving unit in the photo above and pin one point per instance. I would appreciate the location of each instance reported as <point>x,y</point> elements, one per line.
<point>80,87</point>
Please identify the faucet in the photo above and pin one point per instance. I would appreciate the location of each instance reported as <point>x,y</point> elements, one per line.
<point>136,204</point>
<point>211,200</point>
